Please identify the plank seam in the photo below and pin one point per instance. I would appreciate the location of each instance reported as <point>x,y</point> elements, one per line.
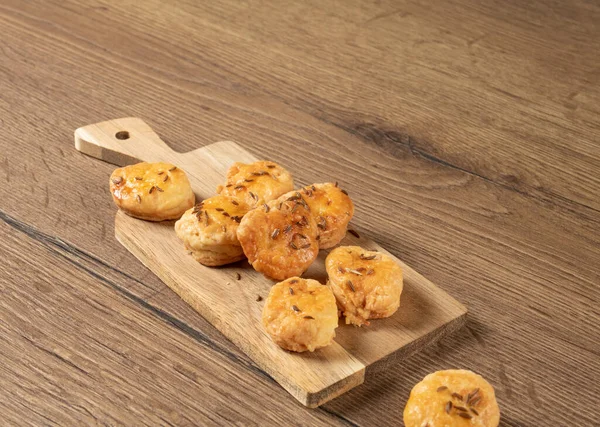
<point>57,246</point>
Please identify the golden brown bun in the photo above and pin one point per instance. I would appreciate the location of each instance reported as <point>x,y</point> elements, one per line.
<point>300,314</point>
<point>366,284</point>
<point>256,183</point>
<point>280,238</point>
<point>452,398</point>
<point>331,208</point>
<point>152,191</point>
<point>209,230</point>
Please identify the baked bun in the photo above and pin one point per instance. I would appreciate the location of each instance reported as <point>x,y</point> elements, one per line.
<point>280,238</point>
<point>256,183</point>
<point>152,191</point>
<point>366,284</point>
<point>452,398</point>
<point>300,314</point>
<point>208,230</point>
<point>332,210</point>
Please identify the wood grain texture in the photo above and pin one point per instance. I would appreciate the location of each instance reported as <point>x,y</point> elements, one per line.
<point>76,334</point>
<point>427,313</point>
<point>467,132</point>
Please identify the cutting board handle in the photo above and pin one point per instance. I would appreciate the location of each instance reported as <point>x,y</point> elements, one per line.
<point>123,142</point>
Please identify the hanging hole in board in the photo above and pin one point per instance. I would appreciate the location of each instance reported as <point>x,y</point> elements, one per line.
<point>122,135</point>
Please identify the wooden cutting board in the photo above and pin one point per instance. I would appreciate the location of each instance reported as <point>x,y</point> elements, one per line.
<point>426,313</point>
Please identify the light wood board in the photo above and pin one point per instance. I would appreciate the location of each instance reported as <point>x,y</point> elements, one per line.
<point>426,313</point>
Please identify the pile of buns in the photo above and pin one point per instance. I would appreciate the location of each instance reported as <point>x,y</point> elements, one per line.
<point>257,214</point>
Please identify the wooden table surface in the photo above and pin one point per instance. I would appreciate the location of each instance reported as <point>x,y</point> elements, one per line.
<point>467,132</point>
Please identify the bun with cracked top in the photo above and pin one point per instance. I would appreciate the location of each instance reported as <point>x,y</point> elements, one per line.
<point>366,284</point>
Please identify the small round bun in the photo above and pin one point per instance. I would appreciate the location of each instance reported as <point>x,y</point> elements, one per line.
<point>280,238</point>
<point>300,315</point>
<point>452,398</point>
<point>366,284</point>
<point>256,183</point>
<point>331,208</point>
<point>152,191</point>
<point>209,229</point>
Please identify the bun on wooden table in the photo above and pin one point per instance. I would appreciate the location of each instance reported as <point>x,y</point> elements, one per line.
<point>152,191</point>
<point>209,230</point>
<point>300,314</point>
<point>366,284</point>
<point>256,183</point>
<point>452,398</point>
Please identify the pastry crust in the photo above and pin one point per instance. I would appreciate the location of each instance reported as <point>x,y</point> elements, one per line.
<point>366,284</point>
<point>280,237</point>
<point>452,398</point>
<point>152,191</point>
<point>300,314</point>
<point>256,183</point>
<point>209,230</point>
<point>331,208</point>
